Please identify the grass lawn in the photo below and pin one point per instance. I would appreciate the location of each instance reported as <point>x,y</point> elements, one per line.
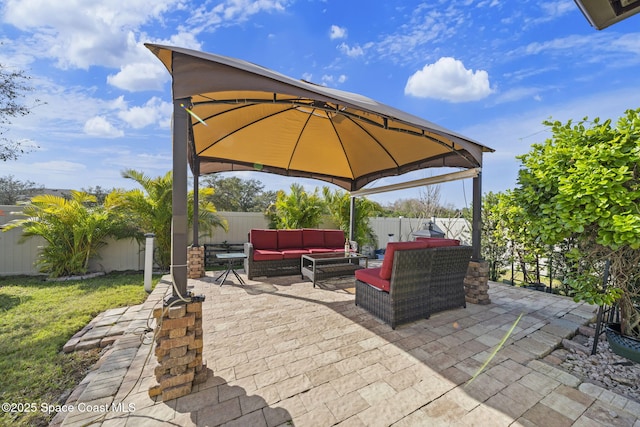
<point>37,318</point>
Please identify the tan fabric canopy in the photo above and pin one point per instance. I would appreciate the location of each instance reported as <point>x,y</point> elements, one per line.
<point>257,119</point>
<point>245,117</point>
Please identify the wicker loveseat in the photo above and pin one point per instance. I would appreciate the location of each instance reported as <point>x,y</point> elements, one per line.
<point>416,279</point>
<point>278,252</point>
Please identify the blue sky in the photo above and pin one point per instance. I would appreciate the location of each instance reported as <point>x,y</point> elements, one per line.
<point>491,70</point>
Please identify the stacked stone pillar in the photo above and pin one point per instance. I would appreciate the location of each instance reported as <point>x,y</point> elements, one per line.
<point>178,349</point>
<point>476,283</point>
<point>195,262</point>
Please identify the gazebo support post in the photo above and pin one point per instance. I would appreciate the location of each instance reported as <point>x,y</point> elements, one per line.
<point>476,283</point>
<point>476,226</point>
<point>180,318</point>
<point>352,218</point>
<point>195,257</point>
<point>179,227</point>
<point>196,200</point>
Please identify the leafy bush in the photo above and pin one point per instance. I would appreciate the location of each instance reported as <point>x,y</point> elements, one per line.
<point>74,229</point>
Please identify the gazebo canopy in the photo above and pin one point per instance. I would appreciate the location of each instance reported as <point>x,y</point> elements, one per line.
<point>232,115</point>
<point>247,117</point>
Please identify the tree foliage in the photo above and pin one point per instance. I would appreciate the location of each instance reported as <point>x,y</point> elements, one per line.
<point>12,190</point>
<point>493,234</point>
<point>583,184</point>
<point>233,194</point>
<point>338,204</point>
<point>298,209</point>
<point>13,86</point>
<point>150,209</point>
<point>74,229</point>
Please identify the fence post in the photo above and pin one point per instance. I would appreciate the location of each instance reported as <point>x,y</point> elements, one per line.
<point>148,261</point>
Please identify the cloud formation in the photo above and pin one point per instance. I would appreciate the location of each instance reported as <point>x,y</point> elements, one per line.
<point>448,80</point>
<point>100,127</point>
<point>337,32</point>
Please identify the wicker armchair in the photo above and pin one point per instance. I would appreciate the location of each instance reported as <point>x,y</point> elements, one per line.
<point>423,281</point>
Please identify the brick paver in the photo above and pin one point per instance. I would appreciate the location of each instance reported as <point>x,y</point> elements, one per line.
<point>281,351</point>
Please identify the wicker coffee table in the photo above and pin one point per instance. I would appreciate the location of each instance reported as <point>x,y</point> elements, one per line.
<point>322,266</point>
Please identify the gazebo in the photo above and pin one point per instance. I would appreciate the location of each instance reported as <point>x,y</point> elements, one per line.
<point>232,115</point>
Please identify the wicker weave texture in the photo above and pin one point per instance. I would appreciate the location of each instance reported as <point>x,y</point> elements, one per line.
<point>280,267</point>
<point>423,282</point>
<point>446,283</point>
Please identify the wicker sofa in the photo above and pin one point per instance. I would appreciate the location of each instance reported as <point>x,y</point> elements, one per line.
<point>278,252</point>
<point>416,279</point>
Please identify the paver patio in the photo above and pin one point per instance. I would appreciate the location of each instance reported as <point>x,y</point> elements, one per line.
<point>281,353</point>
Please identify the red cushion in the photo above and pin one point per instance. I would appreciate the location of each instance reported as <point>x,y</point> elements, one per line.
<point>387,264</point>
<point>293,253</point>
<point>312,238</point>
<point>319,250</point>
<point>334,239</point>
<point>266,255</point>
<point>264,239</point>
<point>372,277</point>
<point>289,239</point>
<point>436,242</point>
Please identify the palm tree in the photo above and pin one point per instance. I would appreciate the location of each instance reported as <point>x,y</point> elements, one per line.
<point>151,209</point>
<point>339,206</point>
<point>74,229</point>
<point>297,209</point>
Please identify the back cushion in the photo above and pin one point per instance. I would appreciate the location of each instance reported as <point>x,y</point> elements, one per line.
<point>264,239</point>
<point>436,242</point>
<point>334,238</point>
<point>289,239</point>
<point>312,238</point>
<point>387,263</point>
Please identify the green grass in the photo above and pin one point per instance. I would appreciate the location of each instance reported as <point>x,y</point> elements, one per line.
<point>519,280</point>
<point>37,318</point>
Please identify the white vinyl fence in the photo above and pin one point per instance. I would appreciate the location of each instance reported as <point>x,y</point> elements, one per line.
<point>120,255</point>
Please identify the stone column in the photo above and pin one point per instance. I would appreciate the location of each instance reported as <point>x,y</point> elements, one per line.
<point>476,283</point>
<point>195,262</point>
<point>178,349</point>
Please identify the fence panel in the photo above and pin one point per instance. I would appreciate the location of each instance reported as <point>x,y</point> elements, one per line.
<point>19,258</point>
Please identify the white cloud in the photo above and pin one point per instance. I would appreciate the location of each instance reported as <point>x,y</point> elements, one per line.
<point>140,77</point>
<point>353,52</point>
<point>517,94</point>
<point>232,11</point>
<point>100,127</point>
<point>153,112</point>
<point>337,32</point>
<point>448,80</point>
<point>79,34</point>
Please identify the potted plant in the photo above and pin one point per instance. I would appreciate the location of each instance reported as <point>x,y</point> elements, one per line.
<point>581,188</point>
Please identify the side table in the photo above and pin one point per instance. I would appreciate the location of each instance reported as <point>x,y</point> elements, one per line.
<point>230,257</point>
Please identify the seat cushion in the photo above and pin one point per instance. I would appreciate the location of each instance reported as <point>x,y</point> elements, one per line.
<point>312,238</point>
<point>436,242</point>
<point>319,250</point>
<point>387,263</point>
<point>372,277</point>
<point>334,239</point>
<point>294,253</point>
<point>266,255</point>
<point>264,239</point>
<point>289,239</point>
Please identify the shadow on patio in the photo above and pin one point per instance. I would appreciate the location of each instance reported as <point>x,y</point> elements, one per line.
<point>282,350</point>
